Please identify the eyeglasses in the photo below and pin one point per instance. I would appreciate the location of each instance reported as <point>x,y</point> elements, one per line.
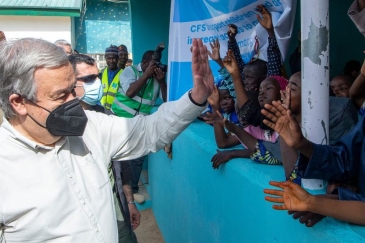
<point>89,78</point>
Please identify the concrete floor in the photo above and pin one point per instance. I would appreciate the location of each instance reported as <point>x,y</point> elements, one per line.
<point>148,231</point>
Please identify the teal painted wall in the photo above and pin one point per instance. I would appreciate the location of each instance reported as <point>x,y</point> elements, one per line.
<point>346,42</point>
<point>192,202</point>
<point>104,23</point>
<point>150,26</point>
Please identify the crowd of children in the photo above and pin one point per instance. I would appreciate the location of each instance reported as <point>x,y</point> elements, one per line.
<point>253,103</point>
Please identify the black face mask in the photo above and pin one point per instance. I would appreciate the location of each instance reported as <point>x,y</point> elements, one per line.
<point>68,119</point>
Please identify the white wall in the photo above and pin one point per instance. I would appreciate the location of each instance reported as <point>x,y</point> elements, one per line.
<point>45,27</point>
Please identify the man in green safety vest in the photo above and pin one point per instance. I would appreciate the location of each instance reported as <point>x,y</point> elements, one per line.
<point>110,77</point>
<point>139,88</point>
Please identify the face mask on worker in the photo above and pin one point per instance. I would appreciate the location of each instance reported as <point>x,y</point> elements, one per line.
<point>93,92</point>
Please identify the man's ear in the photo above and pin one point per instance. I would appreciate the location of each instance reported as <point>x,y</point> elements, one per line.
<point>18,104</point>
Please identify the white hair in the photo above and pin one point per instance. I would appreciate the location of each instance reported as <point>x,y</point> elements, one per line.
<point>19,59</point>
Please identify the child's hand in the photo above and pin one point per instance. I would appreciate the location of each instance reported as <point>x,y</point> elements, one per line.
<point>230,64</point>
<point>213,99</point>
<point>265,20</point>
<point>214,118</point>
<point>286,97</point>
<point>292,196</point>
<point>232,32</point>
<point>215,55</point>
<point>229,126</point>
<point>220,157</point>
<point>306,217</point>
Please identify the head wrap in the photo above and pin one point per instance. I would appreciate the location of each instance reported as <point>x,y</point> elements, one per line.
<point>283,82</point>
<point>113,50</point>
<point>122,48</point>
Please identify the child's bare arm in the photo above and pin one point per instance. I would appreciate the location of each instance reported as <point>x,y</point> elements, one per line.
<point>222,157</point>
<point>231,65</point>
<point>222,139</point>
<point>295,198</point>
<point>244,137</point>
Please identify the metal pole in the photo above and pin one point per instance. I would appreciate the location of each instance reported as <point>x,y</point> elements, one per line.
<point>315,76</point>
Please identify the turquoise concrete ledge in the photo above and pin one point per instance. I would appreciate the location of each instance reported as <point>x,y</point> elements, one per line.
<point>194,203</point>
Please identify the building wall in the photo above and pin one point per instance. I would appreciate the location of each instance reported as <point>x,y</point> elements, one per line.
<point>103,23</point>
<point>150,26</point>
<point>192,202</point>
<point>47,28</point>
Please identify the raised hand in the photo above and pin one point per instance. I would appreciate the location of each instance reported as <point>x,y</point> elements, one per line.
<point>213,99</point>
<point>214,118</point>
<point>286,97</point>
<point>215,46</point>
<point>292,196</point>
<point>202,74</point>
<point>230,64</point>
<point>150,70</point>
<point>232,32</point>
<point>282,121</point>
<point>265,19</point>
<point>159,75</point>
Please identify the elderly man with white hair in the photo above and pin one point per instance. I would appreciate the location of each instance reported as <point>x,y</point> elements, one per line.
<point>54,184</point>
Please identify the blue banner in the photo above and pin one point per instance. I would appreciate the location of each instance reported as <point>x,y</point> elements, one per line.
<point>209,20</point>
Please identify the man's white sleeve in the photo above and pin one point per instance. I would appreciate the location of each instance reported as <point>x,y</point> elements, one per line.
<point>129,138</point>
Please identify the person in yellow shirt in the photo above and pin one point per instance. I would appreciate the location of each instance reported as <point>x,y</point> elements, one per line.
<point>110,77</point>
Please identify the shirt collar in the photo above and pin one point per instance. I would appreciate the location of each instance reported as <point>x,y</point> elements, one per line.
<point>139,67</point>
<point>22,139</point>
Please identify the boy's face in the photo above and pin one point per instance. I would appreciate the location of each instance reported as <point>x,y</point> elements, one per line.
<point>226,101</point>
<point>340,87</point>
<point>269,91</point>
<point>252,78</point>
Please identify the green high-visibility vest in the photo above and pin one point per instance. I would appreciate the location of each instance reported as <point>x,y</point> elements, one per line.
<point>142,103</point>
<point>109,91</point>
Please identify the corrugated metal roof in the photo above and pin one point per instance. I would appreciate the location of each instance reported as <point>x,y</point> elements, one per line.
<point>51,4</point>
<point>41,7</point>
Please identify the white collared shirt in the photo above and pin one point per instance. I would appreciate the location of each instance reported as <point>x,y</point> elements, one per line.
<point>62,193</point>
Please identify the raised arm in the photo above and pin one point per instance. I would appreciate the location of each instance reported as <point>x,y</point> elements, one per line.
<point>357,89</point>
<point>273,51</point>
<point>134,137</point>
<point>222,139</point>
<point>283,122</point>
<point>232,67</point>
<point>136,86</point>
<point>339,162</point>
<point>233,46</point>
<point>160,77</point>
<point>295,198</point>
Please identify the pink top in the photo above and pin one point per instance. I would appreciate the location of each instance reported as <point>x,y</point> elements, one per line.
<point>257,132</point>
